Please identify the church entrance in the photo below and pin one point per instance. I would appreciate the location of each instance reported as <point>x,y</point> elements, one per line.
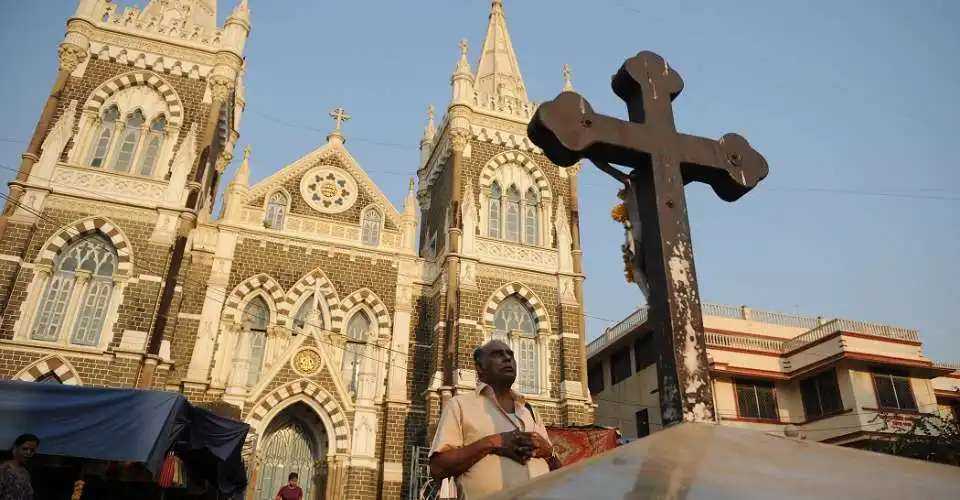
<point>295,441</point>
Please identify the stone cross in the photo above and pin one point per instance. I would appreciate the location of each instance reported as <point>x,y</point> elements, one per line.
<point>339,116</point>
<point>661,162</point>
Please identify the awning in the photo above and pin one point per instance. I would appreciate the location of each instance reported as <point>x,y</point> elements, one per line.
<point>123,425</point>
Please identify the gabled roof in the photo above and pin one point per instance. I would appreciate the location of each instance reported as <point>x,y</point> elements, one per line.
<point>317,157</point>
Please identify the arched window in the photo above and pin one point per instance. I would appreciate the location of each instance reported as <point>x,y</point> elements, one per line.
<point>511,217</point>
<point>101,145</point>
<point>372,222</point>
<point>531,217</point>
<point>515,324</point>
<point>82,275</point>
<point>302,319</point>
<point>129,141</point>
<point>255,318</point>
<point>154,140</point>
<point>493,211</point>
<point>276,211</point>
<point>358,331</point>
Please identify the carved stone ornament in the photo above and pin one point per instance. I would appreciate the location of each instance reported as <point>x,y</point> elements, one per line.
<point>70,57</point>
<point>306,362</point>
<point>459,139</point>
<point>328,189</point>
<point>220,87</point>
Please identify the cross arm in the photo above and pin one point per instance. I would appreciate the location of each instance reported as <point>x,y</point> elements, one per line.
<point>567,129</point>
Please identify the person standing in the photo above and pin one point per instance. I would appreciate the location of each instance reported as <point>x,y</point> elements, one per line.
<point>14,477</point>
<point>289,491</point>
<point>490,439</point>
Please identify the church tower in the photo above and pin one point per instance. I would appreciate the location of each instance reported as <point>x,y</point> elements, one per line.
<point>500,238</point>
<point>124,161</point>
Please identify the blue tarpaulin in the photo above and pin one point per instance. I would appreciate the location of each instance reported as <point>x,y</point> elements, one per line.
<point>124,425</point>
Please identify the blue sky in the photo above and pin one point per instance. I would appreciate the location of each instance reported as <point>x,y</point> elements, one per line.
<point>853,103</point>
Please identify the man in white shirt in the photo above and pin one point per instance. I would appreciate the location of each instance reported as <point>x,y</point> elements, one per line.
<point>490,439</point>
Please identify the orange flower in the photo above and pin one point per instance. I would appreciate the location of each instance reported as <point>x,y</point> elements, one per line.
<point>619,213</point>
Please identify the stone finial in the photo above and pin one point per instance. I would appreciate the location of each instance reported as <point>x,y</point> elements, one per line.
<point>463,65</point>
<point>410,201</point>
<point>241,11</point>
<point>430,131</point>
<point>243,173</point>
<point>567,78</point>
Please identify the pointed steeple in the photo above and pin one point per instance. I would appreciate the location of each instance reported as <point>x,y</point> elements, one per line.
<point>498,72</point>
<point>242,178</point>
<point>410,201</point>
<point>237,190</point>
<point>241,11</point>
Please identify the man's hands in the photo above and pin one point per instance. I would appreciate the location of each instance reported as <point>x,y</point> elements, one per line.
<point>521,446</point>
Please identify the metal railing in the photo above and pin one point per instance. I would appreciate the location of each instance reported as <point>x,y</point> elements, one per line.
<point>846,325</point>
<point>613,333</point>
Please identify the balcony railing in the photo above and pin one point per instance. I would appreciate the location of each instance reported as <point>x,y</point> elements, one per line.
<point>744,342</point>
<point>953,365</point>
<point>845,325</point>
<point>818,330</point>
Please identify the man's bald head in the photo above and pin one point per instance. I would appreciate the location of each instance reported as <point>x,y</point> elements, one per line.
<point>495,364</point>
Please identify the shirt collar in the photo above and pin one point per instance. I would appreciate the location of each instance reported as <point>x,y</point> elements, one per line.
<point>518,398</point>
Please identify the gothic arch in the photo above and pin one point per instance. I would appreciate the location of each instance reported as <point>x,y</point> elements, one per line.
<point>50,365</point>
<point>314,280</point>
<point>331,413</point>
<point>525,294</point>
<point>242,293</point>
<point>366,298</point>
<point>525,163</point>
<point>132,79</point>
<point>71,233</point>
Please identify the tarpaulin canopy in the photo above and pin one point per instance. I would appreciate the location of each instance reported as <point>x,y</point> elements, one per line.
<point>124,425</point>
<point>694,461</point>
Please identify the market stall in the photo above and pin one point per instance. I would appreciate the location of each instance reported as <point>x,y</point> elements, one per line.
<point>153,444</point>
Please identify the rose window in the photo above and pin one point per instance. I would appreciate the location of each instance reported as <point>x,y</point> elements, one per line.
<point>328,189</point>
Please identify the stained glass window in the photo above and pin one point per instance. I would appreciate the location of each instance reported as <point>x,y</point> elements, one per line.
<point>515,324</point>
<point>276,211</point>
<point>256,317</point>
<point>101,146</point>
<point>493,211</point>
<point>372,221</point>
<point>154,140</point>
<point>129,141</point>
<point>531,217</point>
<point>95,257</point>
<point>358,329</point>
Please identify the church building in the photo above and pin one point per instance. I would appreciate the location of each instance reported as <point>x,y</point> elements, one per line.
<point>337,323</point>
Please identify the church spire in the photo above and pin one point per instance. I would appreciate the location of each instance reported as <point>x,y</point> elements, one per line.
<point>498,72</point>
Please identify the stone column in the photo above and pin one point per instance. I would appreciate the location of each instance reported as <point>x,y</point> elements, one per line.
<point>459,139</point>
<point>336,476</point>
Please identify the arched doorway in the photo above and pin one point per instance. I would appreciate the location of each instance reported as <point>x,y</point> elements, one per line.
<point>294,441</point>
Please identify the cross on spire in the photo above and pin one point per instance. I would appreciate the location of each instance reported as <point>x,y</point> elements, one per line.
<point>339,116</point>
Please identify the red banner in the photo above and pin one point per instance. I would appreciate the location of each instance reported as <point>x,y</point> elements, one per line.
<point>573,444</point>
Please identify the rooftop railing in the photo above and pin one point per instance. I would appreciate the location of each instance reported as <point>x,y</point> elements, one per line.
<point>846,325</point>
<point>953,365</point>
<point>818,329</point>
